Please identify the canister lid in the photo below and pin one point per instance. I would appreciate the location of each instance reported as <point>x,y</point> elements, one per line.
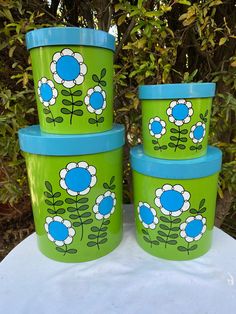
<point>176,169</point>
<point>33,141</point>
<point>182,90</point>
<point>55,36</point>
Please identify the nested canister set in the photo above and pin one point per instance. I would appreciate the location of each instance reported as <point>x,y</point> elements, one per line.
<point>74,156</point>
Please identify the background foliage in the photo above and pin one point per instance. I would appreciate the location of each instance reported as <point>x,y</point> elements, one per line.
<point>157,42</point>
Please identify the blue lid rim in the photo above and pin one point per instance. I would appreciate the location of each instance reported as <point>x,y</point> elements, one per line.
<point>55,36</point>
<point>173,169</point>
<point>33,141</point>
<point>174,91</point>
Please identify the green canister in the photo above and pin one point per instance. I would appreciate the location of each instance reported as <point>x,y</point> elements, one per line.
<point>73,79</point>
<point>174,203</point>
<point>176,119</point>
<point>76,191</point>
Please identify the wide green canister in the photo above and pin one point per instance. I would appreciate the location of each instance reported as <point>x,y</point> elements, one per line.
<point>73,79</point>
<point>76,191</point>
<point>174,203</point>
<point>176,119</point>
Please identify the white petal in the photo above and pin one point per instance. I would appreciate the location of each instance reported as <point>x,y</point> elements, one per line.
<point>204,220</point>
<point>57,218</point>
<point>153,211</point>
<point>52,101</point>
<point>152,134</point>
<point>152,226</point>
<point>204,229</point>
<point>99,199</point>
<point>95,208</point>
<point>92,170</point>
<point>144,224</point>
<point>176,213</point>
<point>155,220</point>
<point>83,69</point>
<point>46,227</point>
<point>48,220</point>
<point>99,216</point>
<point>90,109</point>
<point>50,237</point>
<point>50,83</point>
<point>68,240</point>
<point>183,234</point>
<point>63,173</point>
<point>93,181</point>
<point>188,104</point>
<point>191,135</point>
<point>198,237</point>
<point>185,206</point>
<point>79,80</point>
<point>72,193</point>
<point>195,141</point>
<point>82,164</point>
<point>186,120</point>
<point>181,101</point>
<point>190,112</point>
<point>114,202</point>
<point>86,100</point>
<point>107,215</point>
<point>108,193</point>
<point>98,111</point>
<point>63,184</point>
<point>163,131</point>
<point>67,52</point>
<point>173,103</point>
<point>103,94</point>
<point>157,135</point>
<point>46,103</point>
<point>167,187</point>
<point>104,104</point>
<point>78,57</point>
<point>198,217</point>
<point>67,223</point>
<point>97,88</point>
<point>71,165</point>
<point>163,123</point>
<point>84,191</point>
<point>57,78</point>
<point>183,226</point>
<point>159,192</point>
<point>71,232</point>
<point>90,91</point>
<point>140,218</point>
<point>169,111</point>
<point>171,119</point>
<point>189,219</point>
<point>189,239</point>
<point>53,67</point>
<point>157,202</point>
<point>164,211</point>
<point>68,84</point>
<point>179,122</point>
<point>186,195</point>
<point>44,80</point>
<point>178,188</point>
<point>59,243</point>
<point>157,119</point>
<point>56,56</point>
<point>113,209</point>
<point>54,92</point>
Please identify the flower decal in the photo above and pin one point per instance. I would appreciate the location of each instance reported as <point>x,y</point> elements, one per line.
<point>157,127</point>
<point>68,68</point>
<point>47,92</point>
<point>78,178</point>
<point>105,205</point>
<point>180,111</point>
<point>95,100</point>
<point>193,228</point>
<point>59,230</point>
<point>198,132</point>
<point>147,215</point>
<point>172,200</point>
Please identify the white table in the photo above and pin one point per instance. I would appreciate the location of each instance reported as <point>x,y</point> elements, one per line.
<point>128,280</point>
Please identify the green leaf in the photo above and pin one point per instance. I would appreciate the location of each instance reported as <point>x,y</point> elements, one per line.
<point>95,229</point>
<point>91,243</point>
<point>103,241</point>
<point>65,111</point>
<point>78,112</point>
<point>92,121</point>
<point>60,211</point>
<point>67,102</point>
<point>103,235</point>
<point>163,147</point>
<point>181,146</point>
<point>112,187</point>
<point>173,236</point>
<point>206,113</point>
<point>106,186</point>
<point>49,120</point>
<point>201,116</point>
<point>85,215</point>
<point>77,93</point>
<point>57,194</point>
<point>95,78</point>
<point>103,229</point>
<point>155,242</point>
<point>83,200</point>
<point>101,119</point>
<point>171,242</point>
<point>70,201</point>
<point>48,186</point>
<point>202,203</point>
<point>183,139</point>
<point>193,247</point>
<point>144,232</point>
<point>65,92</point>
<point>184,131</point>
<point>48,195</point>
<point>58,203</point>
<point>175,229</point>
<point>199,147</point>
<point>172,145</point>
<point>58,119</point>
<point>172,130</point>
<point>160,239</point>
<point>46,111</point>
<point>71,209</point>
<point>52,212</point>
<point>182,248</point>
<point>106,222</point>
<point>146,239</point>
<point>165,219</point>
<point>193,211</point>
<point>156,147</point>
<point>78,103</point>
<point>71,251</point>
<point>202,210</point>
<point>77,224</point>
<point>103,72</point>
<point>174,138</point>
<point>59,249</point>
<point>154,142</point>
<point>92,236</point>
<point>161,233</point>
<point>88,221</point>
<point>74,216</point>
<point>164,227</point>
<point>176,221</point>
<point>48,202</point>
<point>112,179</point>
<point>103,83</point>
<point>83,207</point>
<point>193,148</point>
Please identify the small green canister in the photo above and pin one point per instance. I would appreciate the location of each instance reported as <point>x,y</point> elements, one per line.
<point>76,191</point>
<point>176,119</point>
<point>174,203</point>
<point>73,79</point>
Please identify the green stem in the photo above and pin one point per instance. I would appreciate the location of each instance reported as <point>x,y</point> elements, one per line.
<point>176,146</point>
<point>65,250</point>
<point>188,248</point>
<point>96,119</point>
<point>51,115</point>
<point>82,227</point>
<point>72,109</point>
<point>99,233</point>
<point>159,145</point>
<point>149,238</point>
<point>168,232</point>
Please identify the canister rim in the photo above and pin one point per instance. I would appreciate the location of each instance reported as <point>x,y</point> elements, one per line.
<point>176,169</point>
<point>33,141</point>
<point>55,36</point>
<point>174,91</point>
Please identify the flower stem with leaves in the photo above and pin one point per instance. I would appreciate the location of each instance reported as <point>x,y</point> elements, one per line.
<point>168,233</point>
<point>147,238</point>
<point>46,111</point>
<point>177,138</point>
<point>50,200</point>
<point>72,103</point>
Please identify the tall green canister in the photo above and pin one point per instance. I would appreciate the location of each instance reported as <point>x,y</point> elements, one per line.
<point>174,203</point>
<point>73,79</point>
<point>76,191</point>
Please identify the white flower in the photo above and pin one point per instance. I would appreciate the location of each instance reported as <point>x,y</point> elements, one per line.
<point>157,127</point>
<point>197,132</point>
<point>147,215</point>
<point>78,178</point>
<point>59,230</point>
<point>172,200</point>
<point>105,205</point>
<point>95,100</point>
<point>180,111</point>
<point>68,68</point>
<point>47,92</point>
<point>193,228</point>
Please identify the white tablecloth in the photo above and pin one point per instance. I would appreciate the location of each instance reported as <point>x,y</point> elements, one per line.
<point>128,280</point>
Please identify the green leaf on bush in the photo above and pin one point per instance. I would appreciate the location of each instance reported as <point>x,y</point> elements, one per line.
<point>48,202</point>
<point>58,203</point>
<point>154,142</point>
<point>85,215</point>
<point>50,211</point>
<point>103,235</point>
<point>164,227</point>
<point>57,194</point>
<point>171,242</point>
<point>176,221</point>
<point>173,236</point>
<point>202,202</point>
<point>71,209</point>
<point>106,186</point>
<point>74,216</point>
<point>183,139</point>
<point>163,147</point>
<point>77,224</point>
<point>160,239</point>
<point>193,211</point>
<point>199,147</point>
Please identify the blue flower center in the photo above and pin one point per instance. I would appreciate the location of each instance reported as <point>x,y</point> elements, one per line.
<point>46,92</point>
<point>180,111</point>
<point>156,127</point>
<point>78,179</point>
<point>172,200</point>
<point>194,228</point>
<point>106,205</point>
<point>58,230</point>
<point>96,100</point>
<point>68,68</point>
<point>146,214</point>
<point>198,132</point>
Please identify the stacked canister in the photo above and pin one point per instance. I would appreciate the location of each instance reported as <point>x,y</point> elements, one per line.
<point>74,157</point>
<point>175,172</point>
